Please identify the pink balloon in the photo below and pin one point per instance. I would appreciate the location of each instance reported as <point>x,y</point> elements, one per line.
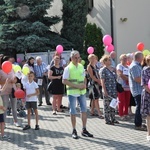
<point>149,84</point>
<point>110,48</point>
<point>107,40</point>
<point>90,50</point>
<point>59,49</point>
<point>18,60</point>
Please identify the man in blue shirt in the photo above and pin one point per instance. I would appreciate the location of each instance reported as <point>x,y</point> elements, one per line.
<point>135,70</point>
<point>41,72</point>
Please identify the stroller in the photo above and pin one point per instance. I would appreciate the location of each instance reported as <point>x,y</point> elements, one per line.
<point>21,109</point>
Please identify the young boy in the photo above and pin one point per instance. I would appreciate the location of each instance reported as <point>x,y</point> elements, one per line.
<point>2,109</point>
<point>32,91</point>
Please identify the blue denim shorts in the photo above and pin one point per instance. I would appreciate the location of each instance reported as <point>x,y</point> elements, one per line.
<point>81,100</point>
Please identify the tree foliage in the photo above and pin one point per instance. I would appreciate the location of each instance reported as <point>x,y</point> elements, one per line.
<point>93,37</point>
<point>25,26</point>
<point>74,21</point>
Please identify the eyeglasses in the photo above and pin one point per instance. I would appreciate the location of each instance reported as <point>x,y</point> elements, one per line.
<point>77,57</point>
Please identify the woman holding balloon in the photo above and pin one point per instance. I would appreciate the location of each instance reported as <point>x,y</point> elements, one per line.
<point>29,66</point>
<point>145,102</point>
<point>7,72</point>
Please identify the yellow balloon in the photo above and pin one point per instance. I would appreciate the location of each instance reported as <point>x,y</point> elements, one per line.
<point>16,68</point>
<point>13,66</point>
<point>25,70</point>
<point>146,52</point>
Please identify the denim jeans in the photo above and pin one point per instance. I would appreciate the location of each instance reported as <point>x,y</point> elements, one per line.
<point>82,102</point>
<point>138,116</point>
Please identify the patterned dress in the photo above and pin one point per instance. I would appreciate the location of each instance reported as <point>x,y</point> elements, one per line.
<point>110,84</point>
<point>145,99</point>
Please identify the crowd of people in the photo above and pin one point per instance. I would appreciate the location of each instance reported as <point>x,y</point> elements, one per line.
<point>98,79</point>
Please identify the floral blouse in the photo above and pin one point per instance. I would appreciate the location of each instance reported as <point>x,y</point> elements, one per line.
<point>110,81</point>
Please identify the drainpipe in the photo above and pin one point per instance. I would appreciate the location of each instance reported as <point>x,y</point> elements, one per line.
<point>111,20</point>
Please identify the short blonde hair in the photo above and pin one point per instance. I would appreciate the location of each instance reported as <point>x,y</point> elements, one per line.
<point>105,58</point>
<point>91,55</point>
<point>121,56</point>
<point>147,59</point>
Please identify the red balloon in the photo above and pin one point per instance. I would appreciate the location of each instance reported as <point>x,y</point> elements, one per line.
<point>7,66</point>
<point>140,46</point>
<point>19,94</point>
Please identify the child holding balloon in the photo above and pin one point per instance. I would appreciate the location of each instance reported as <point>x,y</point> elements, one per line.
<point>32,91</point>
<point>2,110</point>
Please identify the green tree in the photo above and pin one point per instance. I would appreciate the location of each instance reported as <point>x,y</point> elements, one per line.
<point>93,37</point>
<point>25,26</point>
<point>74,21</point>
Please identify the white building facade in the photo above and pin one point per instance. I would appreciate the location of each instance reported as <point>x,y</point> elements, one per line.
<point>128,21</point>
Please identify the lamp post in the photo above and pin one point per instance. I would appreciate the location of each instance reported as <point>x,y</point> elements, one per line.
<point>111,20</point>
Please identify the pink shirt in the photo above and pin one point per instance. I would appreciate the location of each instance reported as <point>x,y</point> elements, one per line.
<point>3,77</point>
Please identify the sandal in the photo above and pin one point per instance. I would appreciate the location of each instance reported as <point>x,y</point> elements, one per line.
<point>117,122</point>
<point>109,123</point>
<point>101,117</point>
<point>64,107</point>
<point>141,128</point>
<point>61,110</point>
<point>91,114</point>
<point>54,113</point>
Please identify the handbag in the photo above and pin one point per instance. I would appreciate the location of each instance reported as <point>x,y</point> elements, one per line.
<point>49,86</point>
<point>119,87</point>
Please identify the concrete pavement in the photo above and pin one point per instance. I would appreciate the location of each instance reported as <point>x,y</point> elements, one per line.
<point>55,134</point>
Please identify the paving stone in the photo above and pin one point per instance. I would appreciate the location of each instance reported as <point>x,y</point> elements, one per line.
<point>55,134</point>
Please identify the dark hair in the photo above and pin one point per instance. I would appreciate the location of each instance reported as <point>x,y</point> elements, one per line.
<point>5,58</point>
<point>31,72</point>
<point>28,61</point>
<point>144,62</point>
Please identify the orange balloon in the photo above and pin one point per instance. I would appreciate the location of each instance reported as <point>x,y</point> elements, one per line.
<point>7,66</point>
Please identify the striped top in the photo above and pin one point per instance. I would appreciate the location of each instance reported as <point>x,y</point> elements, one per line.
<point>39,70</point>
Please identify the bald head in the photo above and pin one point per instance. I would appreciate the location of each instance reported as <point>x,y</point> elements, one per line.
<point>138,56</point>
<point>113,54</point>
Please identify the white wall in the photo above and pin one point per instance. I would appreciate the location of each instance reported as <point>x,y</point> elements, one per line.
<point>100,15</point>
<point>126,34</point>
<point>136,29</point>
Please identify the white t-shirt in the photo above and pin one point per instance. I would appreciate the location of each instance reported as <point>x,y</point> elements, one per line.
<point>125,71</point>
<point>31,89</point>
<point>66,75</point>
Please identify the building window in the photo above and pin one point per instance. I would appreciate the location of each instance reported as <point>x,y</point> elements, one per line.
<point>90,5</point>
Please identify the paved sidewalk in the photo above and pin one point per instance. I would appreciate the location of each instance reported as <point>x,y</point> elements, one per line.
<point>55,134</point>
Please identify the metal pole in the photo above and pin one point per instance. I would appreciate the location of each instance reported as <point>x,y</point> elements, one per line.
<point>111,20</point>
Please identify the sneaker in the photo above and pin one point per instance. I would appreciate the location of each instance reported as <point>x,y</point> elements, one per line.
<point>148,138</point>
<point>86,133</point>
<point>16,124</point>
<point>5,137</point>
<point>37,127</point>
<point>74,134</point>
<point>26,127</point>
<point>49,103</point>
